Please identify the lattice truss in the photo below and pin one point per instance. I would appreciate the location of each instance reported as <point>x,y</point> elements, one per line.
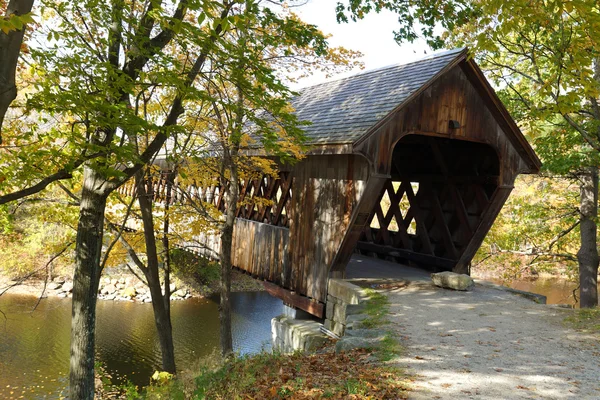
<point>264,199</point>
<point>433,214</point>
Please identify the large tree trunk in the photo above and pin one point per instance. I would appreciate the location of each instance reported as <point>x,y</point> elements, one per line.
<point>588,252</point>
<point>86,280</point>
<point>225,257</point>
<point>160,302</point>
<point>10,49</point>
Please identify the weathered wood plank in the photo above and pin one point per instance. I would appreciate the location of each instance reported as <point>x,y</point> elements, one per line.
<point>420,258</point>
<point>295,300</point>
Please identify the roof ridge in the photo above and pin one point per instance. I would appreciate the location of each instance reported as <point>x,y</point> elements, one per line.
<point>428,57</point>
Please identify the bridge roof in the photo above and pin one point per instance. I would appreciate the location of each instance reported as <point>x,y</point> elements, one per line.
<point>343,110</point>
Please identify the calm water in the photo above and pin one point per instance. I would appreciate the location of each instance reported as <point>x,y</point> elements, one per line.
<point>34,346</point>
<point>557,291</point>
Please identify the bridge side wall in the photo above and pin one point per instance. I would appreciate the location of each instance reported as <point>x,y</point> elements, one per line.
<point>327,190</point>
<point>259,249</point>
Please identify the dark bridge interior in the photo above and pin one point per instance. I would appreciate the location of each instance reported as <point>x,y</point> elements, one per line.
<point>429,210</point>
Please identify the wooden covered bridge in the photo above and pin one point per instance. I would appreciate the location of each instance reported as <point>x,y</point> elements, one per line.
<point>411,163</point>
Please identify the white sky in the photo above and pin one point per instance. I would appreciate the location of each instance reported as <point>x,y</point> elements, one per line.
<point>372,36</point>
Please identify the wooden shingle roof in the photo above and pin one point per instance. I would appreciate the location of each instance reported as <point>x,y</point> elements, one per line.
<point>343,110</point>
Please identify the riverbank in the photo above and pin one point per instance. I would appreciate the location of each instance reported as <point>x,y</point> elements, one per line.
<point>122,286</point>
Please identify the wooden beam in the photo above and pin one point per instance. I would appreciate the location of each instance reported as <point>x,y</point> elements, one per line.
<point>360,219</point>
<point>441,262</point>
<point>486,221</point>
<point>302,302</point>
<point>457,179</point>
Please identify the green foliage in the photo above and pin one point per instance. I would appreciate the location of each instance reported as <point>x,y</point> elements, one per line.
<point>186,264</point>
<point>415,18</point>
<point>15,22</point>
<point>377,309</point>
<point>545,57</point>
<point>6,220</point>
<point>537,231</point>
<point>34,233</point>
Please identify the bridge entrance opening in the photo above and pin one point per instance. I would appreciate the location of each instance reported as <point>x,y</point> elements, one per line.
<point>429,210</point>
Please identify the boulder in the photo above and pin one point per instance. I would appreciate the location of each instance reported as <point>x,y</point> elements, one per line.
<point>109,289</point>
<point>452,280</point>
<point>180,293</point>
<point>54,285</point>
<point>366,333</point>
<point>67,287</point>
<point>128,292</point>
<point>59,279</point>
<point>355,320</point>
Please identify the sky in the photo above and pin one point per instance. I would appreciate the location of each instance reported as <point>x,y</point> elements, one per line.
<point>372,36</point>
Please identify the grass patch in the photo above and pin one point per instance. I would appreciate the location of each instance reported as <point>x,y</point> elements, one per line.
<point>350,375</point>
<point>377,309</point>
<point>585,319</point>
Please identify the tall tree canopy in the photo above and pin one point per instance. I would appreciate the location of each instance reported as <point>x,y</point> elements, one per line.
<point>109,83</point>
<point>545,55</point>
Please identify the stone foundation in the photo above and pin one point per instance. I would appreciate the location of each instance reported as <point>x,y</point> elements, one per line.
<point>293,331</point>
<point>343,300</point>
<point>290,335</point>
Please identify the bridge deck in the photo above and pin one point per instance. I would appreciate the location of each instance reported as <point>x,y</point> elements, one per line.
<point>363,267</point>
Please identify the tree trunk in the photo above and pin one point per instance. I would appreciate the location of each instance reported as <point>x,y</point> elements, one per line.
<point>10,49</point>
<point>588,252</point>
<point>86,279</point>
<point>160,302</point>
<point>225,257</point>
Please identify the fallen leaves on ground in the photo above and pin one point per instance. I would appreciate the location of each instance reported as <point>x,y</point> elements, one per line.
<point>350,375</point>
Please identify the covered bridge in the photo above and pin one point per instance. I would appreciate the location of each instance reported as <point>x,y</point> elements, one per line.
<point>411,163</point>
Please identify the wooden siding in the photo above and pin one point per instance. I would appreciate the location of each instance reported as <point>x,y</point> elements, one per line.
<point>259,249</point>
<point>326,191</point>
<point>453,97</point>
<point>448,231</point>
<point>318,210</point>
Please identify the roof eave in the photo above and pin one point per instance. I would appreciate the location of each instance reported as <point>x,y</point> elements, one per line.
<point>459,57</point>
<point>503,116</point>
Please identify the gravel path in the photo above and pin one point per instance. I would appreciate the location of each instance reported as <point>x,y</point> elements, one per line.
<point>491,344</point>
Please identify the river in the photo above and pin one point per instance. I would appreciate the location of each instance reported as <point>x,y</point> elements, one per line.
<point>557,291</point>
<point>34,346</point>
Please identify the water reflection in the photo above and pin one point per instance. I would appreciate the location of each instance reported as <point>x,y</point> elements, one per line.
<point>34,347</point>
<point>557,291</point>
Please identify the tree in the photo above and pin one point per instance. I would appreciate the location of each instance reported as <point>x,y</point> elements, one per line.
<point>100,63</point>
<point>16,17</point>
<point>117,53</point>
<point>546,57</point>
